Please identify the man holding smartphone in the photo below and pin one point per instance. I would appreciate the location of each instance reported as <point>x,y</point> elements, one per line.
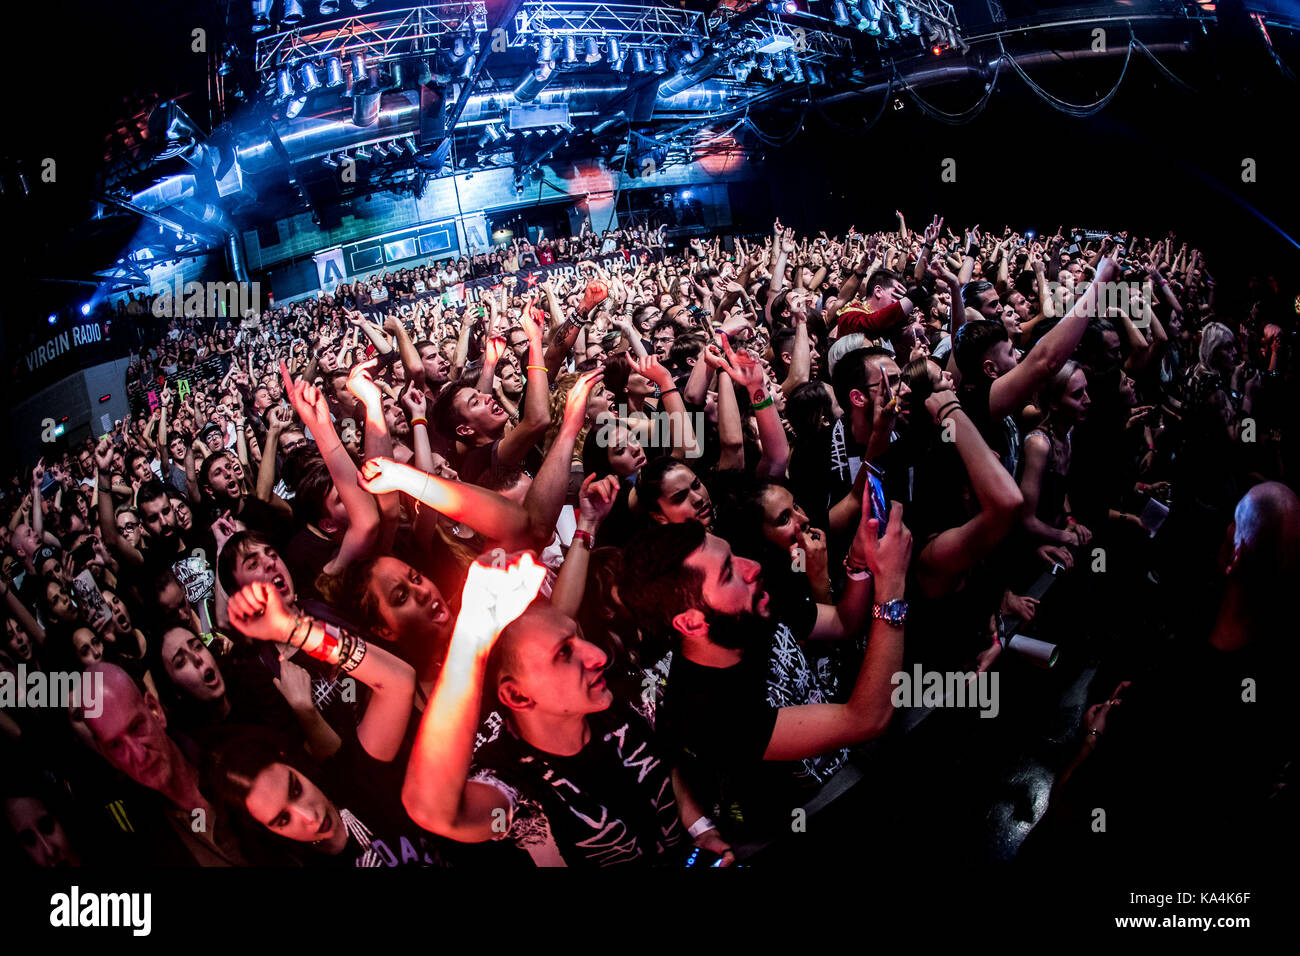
<point>751,721</point>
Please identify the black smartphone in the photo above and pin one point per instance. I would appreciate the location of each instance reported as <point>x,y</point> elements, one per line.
<point>703,858</point>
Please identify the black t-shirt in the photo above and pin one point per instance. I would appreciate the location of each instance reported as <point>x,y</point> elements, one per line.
<point>367,794</point>
<point>610,804</point>
<point>720,720</point>
<point>306,556</point>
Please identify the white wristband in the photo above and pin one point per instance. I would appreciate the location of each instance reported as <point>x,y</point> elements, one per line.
<point>701,825</point>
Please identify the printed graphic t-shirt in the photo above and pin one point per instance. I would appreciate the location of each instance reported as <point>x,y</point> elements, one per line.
<point>610,804</point>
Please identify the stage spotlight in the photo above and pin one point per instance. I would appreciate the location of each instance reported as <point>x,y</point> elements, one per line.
<point>591,50</point>
<point>358,70</point>
<point>292,13</point>
<point>795,70</point>
<point>284,84</point>
<point>308,78</point>
<point>295,106</point>
<point>361,4</point>
<point>261,15</point>
<point>740,70</point>
<point>694,50</point>
<point>614,53</point>
<point>765,67</point>
<point>637,61</point>
<point>85,309</point>
<point>334,72</point>
<point>841,14</point>
<point>53,318</point>
<point>546,50</point>
<point>467,68</point>
<point>905,23</point>
<point>329,7</point>
<point>869,20</point>
<point>570,46</point>
<point>660,64</point>
<point>887,30</point>
<point>330,161</point>
<point>381,151</point>
<point>363,152</point>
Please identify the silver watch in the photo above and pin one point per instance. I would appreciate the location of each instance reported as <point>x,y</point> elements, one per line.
<point>891,612</point>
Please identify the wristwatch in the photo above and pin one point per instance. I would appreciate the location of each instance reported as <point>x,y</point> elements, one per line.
<point>891,612</point>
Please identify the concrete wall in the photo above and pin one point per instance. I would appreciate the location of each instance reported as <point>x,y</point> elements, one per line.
<point>75,397</point>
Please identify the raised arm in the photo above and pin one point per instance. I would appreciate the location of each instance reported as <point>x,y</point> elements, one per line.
<point>258,612</point>
<point>812,729</point>
<point>545,497</point>
<point>492,515</point>
<point>438,794</point>
<point>107,520</point>
<point>1011,391</point>
<point>362,535</point>
<point>595,501</point>
<point>950,555</point>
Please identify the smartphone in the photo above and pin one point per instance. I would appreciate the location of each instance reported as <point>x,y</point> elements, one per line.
<point>702,858</point>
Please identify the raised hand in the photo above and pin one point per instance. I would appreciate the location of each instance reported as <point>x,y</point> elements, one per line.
<point>496,347</point>
<point>414,401</point>
<point>745,371</point>
<point>596,499</point>
<point>361,383</point>
<point>575,403</point>
<point>257,611</point>
<point>498,588</point>
<point>104,455</point>
<point>379,476</point>
<point>294,683</point>
<point>648,365</point>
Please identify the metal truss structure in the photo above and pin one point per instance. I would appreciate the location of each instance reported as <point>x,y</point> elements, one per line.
<point>380,37</point>
<point>636,25</point>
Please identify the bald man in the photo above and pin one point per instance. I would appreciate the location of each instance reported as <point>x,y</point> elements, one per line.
<point>130,732</point>
<point>618,802</point>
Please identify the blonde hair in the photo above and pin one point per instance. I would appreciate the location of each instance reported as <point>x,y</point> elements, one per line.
<point>559,397</point>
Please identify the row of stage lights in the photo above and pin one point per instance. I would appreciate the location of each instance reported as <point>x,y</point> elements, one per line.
<point>890,22</point>
<point>292,12</point>
<point>575,51</point>
<point>293,84</point>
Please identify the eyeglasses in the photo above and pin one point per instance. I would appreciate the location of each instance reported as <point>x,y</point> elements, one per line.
<point>129,525</point>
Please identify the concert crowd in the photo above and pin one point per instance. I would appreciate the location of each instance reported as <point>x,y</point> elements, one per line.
<point>613,557</point>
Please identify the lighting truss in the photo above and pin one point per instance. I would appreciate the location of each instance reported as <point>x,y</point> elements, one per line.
<point>634,24</point>
<point>388,35</point>
<point>770,34</point>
